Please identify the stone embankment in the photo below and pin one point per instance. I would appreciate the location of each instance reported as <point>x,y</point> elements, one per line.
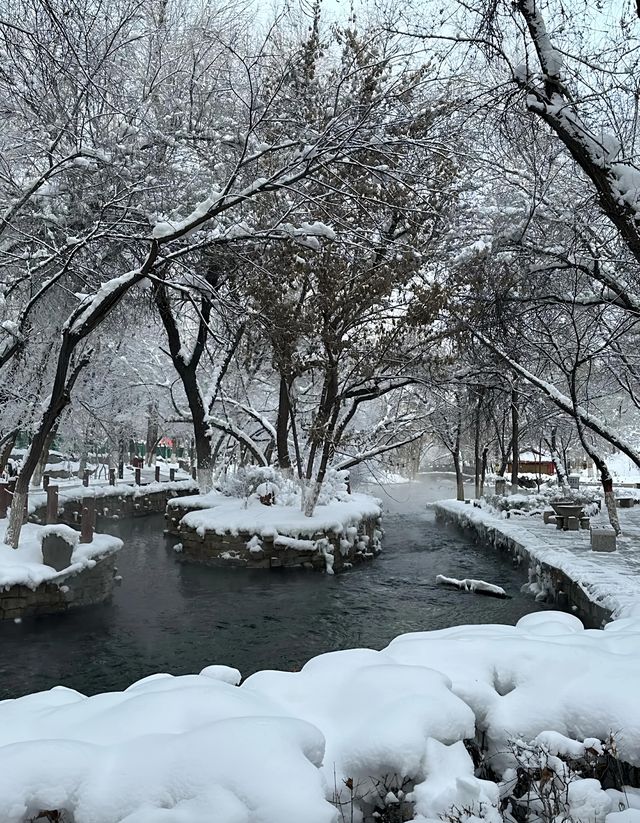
<point>114,502</point>
<point>55,568</point>
<point>216,530</point>
<point>563,569</point>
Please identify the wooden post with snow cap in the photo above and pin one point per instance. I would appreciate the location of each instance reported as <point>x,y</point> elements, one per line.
<point>85,477</point>
<point>112,477</point>
<point>87,519</point>
<point>137,476</point>
<point>157,474</point>
<point>52,505</point>
<point>172,475</point>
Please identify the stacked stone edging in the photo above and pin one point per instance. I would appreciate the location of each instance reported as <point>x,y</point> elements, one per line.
<point>560,588</point>
<point>113,507</point>
<point>87,587</point>
<point>227,549</point>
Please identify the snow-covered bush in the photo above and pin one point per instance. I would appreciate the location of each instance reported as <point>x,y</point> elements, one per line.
<point>252,480</point>
<point>536,502</point>
<point>260,481</point>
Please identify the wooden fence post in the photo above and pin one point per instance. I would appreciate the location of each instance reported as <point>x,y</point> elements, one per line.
<point>194,473</point>
<point>45,482</point>
<point>172,475</point>
<point>85,477</point>
<point>52,504</point>
<point>157,474</point>
<point>112,477</point>
<point>120,470</point>
<point>87,519</point>
<point>137,480</point>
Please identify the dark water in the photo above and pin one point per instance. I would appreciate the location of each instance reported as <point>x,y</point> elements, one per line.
<point>178,618</point>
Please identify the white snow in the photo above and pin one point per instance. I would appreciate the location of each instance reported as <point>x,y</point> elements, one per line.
<point>469,585</point>
<point>350,726</point>
<point>24,566</point>
<point>234,515</point>
<point>611,580</point>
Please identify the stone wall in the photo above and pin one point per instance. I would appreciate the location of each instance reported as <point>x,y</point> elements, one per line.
<point>87,587</point>
<point>233,550</point>
<point>113,507</point>
<point>560,589</point>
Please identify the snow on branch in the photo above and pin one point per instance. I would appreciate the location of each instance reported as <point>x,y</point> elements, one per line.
<point>232,430</point>
<point>563,402</point>
<point>617,183</point>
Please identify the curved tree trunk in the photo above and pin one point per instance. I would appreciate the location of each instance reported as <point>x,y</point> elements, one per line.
<point>7,444</point>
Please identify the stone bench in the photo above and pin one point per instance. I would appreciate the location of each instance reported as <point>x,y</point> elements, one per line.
<point>603,539</point>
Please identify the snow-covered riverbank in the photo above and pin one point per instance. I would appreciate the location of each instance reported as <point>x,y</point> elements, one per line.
<point>24,566</point>
<point>354,730</point>
<point>610,581</point>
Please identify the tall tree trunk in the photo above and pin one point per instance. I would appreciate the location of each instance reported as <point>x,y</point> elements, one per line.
<point>457,465</point>
<point>477,468</point>
<point>58,399</point>
<point>515,439</point>
<point>282,427</point>
<point>605,475</point>
<point>152,434</point>
<point>485,453</point>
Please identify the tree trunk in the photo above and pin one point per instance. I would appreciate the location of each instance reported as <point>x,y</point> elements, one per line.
<point>152,434</point>
<point>483,474</point>
<point>558,462</point>
<point>609,498</point>
<point>204,457</point>
<point>477,468</point>
<point>282,427</point>
<point>42,462</point>
<point>59,398</point>
<point>84,456</point>
<point>605,475</point>
<point>7,444</point>
<point>515,439</point>
<point>459,476</point>
<point>457,465</point>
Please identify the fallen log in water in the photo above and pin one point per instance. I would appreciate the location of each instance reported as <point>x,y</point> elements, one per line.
<point>476,586</point>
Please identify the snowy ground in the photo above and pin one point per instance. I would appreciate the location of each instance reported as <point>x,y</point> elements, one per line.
<point>24,566</point>
<point>352,731</point>
<point>610,579</point>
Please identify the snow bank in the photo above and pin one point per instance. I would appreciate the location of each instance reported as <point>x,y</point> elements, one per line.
<point>24,566</point>
<point>231,515</point>
<point>362,727</point>
<point>125,490</point>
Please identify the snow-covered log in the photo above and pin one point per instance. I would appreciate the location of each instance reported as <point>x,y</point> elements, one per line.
<point>476,586</point>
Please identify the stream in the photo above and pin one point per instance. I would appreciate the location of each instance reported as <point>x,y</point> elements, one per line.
<point>171,617</point>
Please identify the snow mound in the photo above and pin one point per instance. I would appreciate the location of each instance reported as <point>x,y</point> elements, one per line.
<point>350,726</point>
